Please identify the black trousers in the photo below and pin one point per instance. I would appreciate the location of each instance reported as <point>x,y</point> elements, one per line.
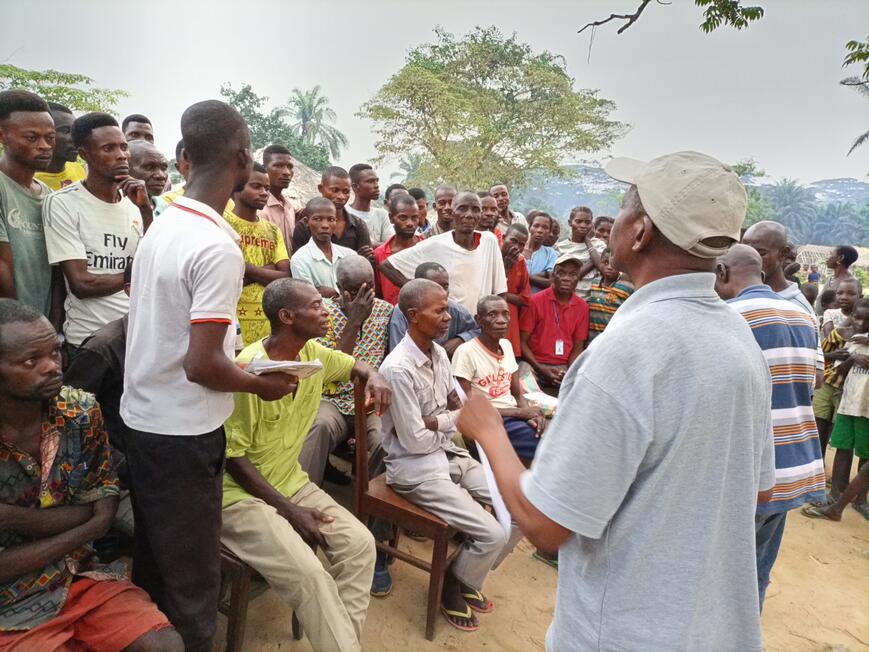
<point>177,489</point>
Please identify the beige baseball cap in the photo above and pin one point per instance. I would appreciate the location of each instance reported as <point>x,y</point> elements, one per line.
<point>564,258</point>
<point>690,197</point>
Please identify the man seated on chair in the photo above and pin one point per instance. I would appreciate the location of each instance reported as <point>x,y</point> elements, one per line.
<point>358,326</point>
<point>422,463</point>
<point>59,493</point>
<point>272,514</point>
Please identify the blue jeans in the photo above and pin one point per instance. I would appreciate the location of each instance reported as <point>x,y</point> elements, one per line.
<point>768,531</point>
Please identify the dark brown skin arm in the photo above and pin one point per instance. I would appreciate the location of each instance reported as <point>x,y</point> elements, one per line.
<point>267,273</point>
<point>514,299</point>
<point>58,297</point>
<point>395,277</point>
<point>42,523</point>
<point>85,285</point>
<point>18,560</point>
<point>541,280</point>
<point>7,276</point>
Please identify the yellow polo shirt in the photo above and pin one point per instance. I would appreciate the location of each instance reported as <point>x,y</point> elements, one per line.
<point>271,433</point>
<point>72,172</point>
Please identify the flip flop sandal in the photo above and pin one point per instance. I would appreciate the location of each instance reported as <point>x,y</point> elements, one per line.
<point>479,602</point>
<point>815,512</point>
<point>449,614</point>
<point>826,502</point>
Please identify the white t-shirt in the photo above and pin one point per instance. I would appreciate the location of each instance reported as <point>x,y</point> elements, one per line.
<point>473,274</point>
<point>81,226</point>
<point>377,219</point>
<point>487,372</point>
<point>188,269</point>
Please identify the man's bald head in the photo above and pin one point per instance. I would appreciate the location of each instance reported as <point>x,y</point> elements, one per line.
<point>772,234</point>
<point>770,240</point>
<point>739,268</point>
<point>417,293</point>
<point>352,271</point>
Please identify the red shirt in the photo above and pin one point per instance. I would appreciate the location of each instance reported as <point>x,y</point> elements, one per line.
<point>518,282</point>
<point>388,289</point>
<point>548,321</point>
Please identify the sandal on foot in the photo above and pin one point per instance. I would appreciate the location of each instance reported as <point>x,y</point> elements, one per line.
<point>451,617</point>
<point>825,502</point>
<point>478,602</point>
<point>815,512</point>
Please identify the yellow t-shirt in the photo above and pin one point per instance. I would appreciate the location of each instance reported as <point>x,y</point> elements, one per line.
<point>271,433</point>
<point>72,172</point>
<point>165,200</point>
<point>261,244</point>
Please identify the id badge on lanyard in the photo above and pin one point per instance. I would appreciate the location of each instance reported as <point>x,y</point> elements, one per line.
<point>559,343</point>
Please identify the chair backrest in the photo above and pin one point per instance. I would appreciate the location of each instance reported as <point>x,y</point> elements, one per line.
<point>361,436</point>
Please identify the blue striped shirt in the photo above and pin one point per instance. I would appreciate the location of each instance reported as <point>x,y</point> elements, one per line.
<point>788,338</point>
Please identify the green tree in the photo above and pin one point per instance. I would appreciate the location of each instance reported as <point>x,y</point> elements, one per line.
<point>70,89</point>
<point>486,109</point>
<point>313,116</point>
<point>794,206</point>
<point>715,14</point>
<point>268,126</point>
<point>758,208</point>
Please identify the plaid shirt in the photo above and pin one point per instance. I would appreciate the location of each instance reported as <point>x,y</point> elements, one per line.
<point>371,346</point>
<point>76,470</point>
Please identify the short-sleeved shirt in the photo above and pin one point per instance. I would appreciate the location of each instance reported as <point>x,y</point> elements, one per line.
<point>834,316</point>
<point>548,322</point>
<point>270,433</point>
<point>855,390</point>
<point>519,283</point>
<point>188,270</point>
<point>371,346</point>
<point>487,371</point>
<point>81,226</point>
<point>21,227</point>
<point>355,234</point>
<point>658,486</point>
<point>282,215</point>
<point>541,262</point>
<point>261,244</point>
<point>462,325</point>
<point>388,289</point>
<point>72,172</point>
<point>377,220</point>
<point>474,273</point>
<point>75,469</point>
<point>788,339</point>
<point>310,264</point>
<point>580,249</point>
<point>603,301</point>
<point>814,277</point>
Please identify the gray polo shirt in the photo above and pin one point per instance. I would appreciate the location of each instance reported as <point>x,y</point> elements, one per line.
<point>662,440</point>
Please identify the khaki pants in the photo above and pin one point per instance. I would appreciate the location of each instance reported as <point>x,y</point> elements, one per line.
<point>453,500</point>
<point>330,604</point>
<point>331,428</point>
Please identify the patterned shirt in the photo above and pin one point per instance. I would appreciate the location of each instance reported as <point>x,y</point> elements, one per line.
<point>788,338</point>
<point>603,301</point>
<point>371,346</point>
<point>580,249</point>
<point>833,342</point>
<point>76,470</point>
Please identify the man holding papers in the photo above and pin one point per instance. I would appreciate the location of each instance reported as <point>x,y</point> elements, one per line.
<point>273,515</point>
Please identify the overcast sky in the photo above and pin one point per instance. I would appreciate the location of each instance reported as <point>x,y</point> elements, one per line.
<point>770,91</point>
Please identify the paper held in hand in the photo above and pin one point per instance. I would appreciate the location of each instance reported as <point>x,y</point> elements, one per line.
<point>298,368</point>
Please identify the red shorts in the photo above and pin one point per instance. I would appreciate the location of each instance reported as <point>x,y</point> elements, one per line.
<point>105,616</point>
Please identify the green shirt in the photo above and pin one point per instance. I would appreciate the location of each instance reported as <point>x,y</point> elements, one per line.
<point>271,433</point>
<point>21,227</point>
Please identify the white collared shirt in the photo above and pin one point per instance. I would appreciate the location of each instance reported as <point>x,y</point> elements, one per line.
<point>310,264</point>
<point>188,269</point>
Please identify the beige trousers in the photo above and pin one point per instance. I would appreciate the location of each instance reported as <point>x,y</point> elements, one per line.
<point>330,604</point>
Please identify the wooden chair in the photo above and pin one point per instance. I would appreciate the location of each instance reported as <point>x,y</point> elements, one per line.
<point>239,584</point>
<point>374,499</point>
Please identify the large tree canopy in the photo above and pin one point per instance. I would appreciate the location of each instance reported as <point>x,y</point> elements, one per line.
<point>70,89</point>
<point>485,109</point>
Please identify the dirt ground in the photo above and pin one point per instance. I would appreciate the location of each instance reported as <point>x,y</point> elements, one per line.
<point>818,601</point>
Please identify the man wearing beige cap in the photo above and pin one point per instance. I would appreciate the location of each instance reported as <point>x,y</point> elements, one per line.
<point>648,477</point>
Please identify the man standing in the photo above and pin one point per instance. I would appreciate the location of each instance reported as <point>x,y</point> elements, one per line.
<point>366,189</point>
<point>272,512</point>
<point>148,164</point>
<point>404,218</point>
<point>506,217</point>
<point>518,280</point>
<point>280,167</point>
<point>64,169</point>
<point>788,339</point>
<point>92,228</point>
<point>423,464</point>
<point>691,444</point>
<point>180,375</point>
<point>770,240</point>
<point>137,127</point>
<point>473,258</point>
<point>27,136</point>
<point>59,494</point>
<point>444,196</point>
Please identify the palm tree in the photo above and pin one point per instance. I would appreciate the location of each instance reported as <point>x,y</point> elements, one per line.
<point>836,223</point>
<point>313,116</point>
<point>794,206</point>
<point>408,166</point>
<point>862,87</point>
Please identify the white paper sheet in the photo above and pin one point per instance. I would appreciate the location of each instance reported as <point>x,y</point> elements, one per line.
<point>299,369</point>
<point>501,512</point>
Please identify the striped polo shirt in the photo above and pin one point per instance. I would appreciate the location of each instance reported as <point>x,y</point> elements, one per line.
<point>788,338</point>
<point>603,301</point>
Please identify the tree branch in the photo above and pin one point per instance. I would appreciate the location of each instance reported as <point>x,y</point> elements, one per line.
<point>629,18</point>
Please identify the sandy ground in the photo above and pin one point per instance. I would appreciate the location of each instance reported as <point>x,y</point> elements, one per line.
<point>818,600</point>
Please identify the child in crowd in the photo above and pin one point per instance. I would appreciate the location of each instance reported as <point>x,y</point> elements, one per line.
<point>825,402</point>
<point>847,294</point>
<point>554,233</point>
<point>827,299</point>
<point>606,296</point>
<point>539,258</point>
<point>603,225</point>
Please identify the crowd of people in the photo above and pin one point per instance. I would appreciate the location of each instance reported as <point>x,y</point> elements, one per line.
<point>132,315</point>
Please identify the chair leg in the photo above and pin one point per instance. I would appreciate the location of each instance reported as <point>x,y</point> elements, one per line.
<point>297,628</point>
<point>237,619</point>
<point>436,584</point>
